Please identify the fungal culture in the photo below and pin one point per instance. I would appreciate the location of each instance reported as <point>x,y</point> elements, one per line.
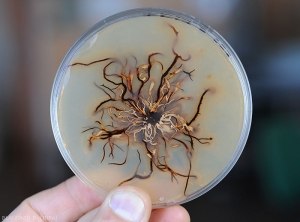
<point>151,98</point>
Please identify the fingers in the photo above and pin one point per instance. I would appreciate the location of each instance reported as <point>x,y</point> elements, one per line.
<point>125,203</point>
<point>66,202</point>
<point>170,214</point>
<point>72,200</point>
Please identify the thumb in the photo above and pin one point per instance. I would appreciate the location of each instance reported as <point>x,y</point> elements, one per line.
<point>125,203</point>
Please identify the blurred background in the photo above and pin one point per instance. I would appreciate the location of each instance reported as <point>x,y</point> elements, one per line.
<point>265,183</point>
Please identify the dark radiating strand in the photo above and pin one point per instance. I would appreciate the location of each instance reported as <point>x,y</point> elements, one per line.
<point>88,64</point>
<point>198,108</point>
<point>136,175</point>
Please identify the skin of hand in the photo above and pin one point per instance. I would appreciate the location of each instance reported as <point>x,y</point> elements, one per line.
<point>74,201</point>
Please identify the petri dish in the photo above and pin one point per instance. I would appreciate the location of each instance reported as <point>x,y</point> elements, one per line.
<point>153,98</point>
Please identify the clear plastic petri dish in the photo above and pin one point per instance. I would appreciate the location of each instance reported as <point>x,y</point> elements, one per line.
<point>153,98</point>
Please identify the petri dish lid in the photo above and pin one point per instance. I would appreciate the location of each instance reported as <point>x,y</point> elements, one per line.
<point>154,98</point>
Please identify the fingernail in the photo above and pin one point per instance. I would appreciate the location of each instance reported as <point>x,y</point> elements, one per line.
<point>127,205</point>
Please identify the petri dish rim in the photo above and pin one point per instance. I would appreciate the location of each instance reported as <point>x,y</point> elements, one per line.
<point>61,77</point>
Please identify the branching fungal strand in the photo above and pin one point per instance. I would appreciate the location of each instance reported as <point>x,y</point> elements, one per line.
<point>146,109</point>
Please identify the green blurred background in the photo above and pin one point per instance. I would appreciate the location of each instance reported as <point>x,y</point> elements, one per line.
<point>265,183</point>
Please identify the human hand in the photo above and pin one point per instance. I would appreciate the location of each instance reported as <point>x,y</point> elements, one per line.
<point>74,201</point>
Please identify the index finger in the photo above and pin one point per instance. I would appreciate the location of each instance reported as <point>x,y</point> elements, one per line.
<point>67,201</point>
